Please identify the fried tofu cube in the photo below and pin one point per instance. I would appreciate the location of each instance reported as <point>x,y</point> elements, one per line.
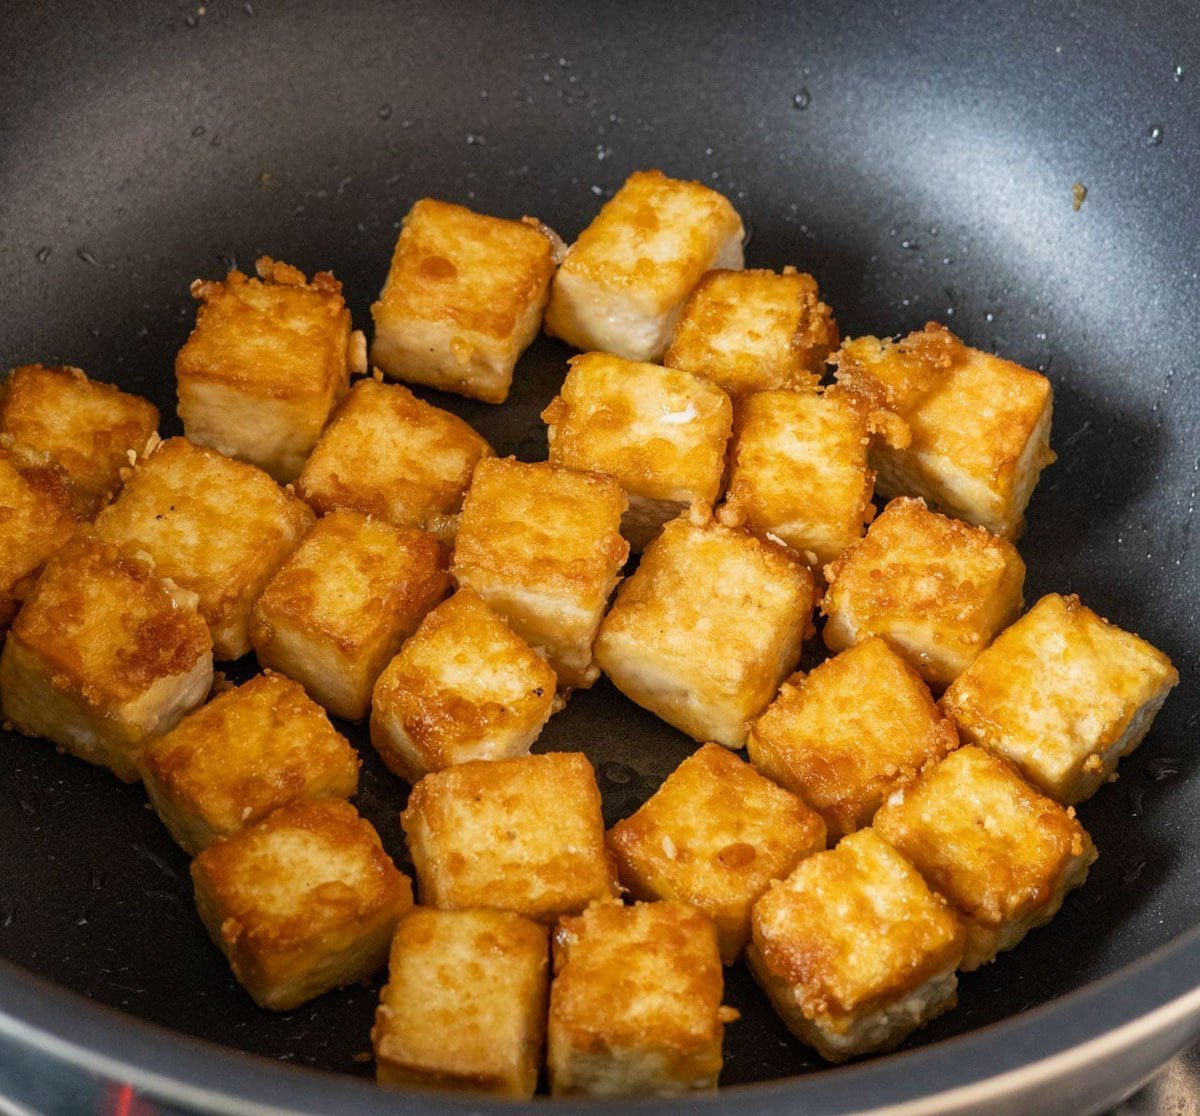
<point>463,299</point>
<point>87,427</point>
<point>623,283</point>
<point>267,361</point>
<point>1063,695</point>
<point>937,589</point>
<point>341,605</point>
<point>103,656</point>
<point>715,834</point>
<point>250,750</point>
<point>854,950</point>
<point>635,1006</point>
<point>978,425</point>
<point>521,835</point>
<point>846,735</point>
<point>304,901</point>
<point>542,546</point>
<point>217,527</point>
<point>708,626</point>
<point>755,331</point>
<point>464,687</point>
<point>465,1003</point>
<point>660,432</point>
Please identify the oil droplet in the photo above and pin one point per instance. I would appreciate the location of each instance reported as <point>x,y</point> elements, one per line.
<point>802,99</point>
<point>385,111</point>
<point>909,245</point>
<point>43,254</point>
<point>990,316</point>
<point>1155,136</point>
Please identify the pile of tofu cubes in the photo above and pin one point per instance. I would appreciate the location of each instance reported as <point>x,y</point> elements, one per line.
<point>906,810</point>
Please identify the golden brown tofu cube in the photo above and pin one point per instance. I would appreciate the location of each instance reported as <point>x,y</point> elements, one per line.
<point>521,835</point>
<point>542,546</point>
<point>250,750</point>
<point>218,527</point>
<point>342,604</point>
<point>463,298</point>
<point>304,901</point>
<point>388,454</point>
<point>464,687</point>
<point>465,1004</point>
<point>1004,855</point>
<point>660,432</point>
<point>937,589</point>
<point>103,656</point>
<point>755,331</point>
<point>623,283</point>
<point>849,733</point>
<point>854,950</point>
<point>1063,695</point>
<point>635,1006</point>
<point>87,427</point>
<point>266,363</point>
<point>707,627</point>
<point>979,426</point>
<point>715,834</point>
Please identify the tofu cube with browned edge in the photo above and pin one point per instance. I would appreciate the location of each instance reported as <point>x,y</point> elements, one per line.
<point>1004,855</point>
<point>846,735</point>
<point>937,589</point>
<point>103,656</point>
<point>715,834</point>
<point>658,431</point>
<point>635,1005</point>
<point>343,602</point>
<point>708,626</point>
<point>250,750</point>
<point>755,330</point>
<point>521,835</point>
<point>89,428</point>
<point>463,298</point>
<point>1063,694</point>
<point>978,426</point>
<point>465,1003</point>
<point>302,902</point>
<point>388,454</point>
<point>217,527</point>
<point>542,546</point>
<point>623,283</point>
<point>464,687</point>
<point>854,950</point>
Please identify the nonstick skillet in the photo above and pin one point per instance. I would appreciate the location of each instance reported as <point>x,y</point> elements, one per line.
<point>920,159</point>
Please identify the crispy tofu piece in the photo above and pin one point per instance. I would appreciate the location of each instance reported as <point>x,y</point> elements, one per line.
<point>635,1006</point>
<point>707,627</point>
<point>304,901</point>
<point>660,432</point>
<point>341,605</point>
<point>463,298</point>
<point>247,752</point>
<point>542,546</point>
<point>1063,695</point>
<point>979,426</point>
<point>715,834</point>
<point>854,950</point>
<point>103,656</point>
<point>849,733</point>
<point>267,361</point>
<point>521,835</point>
<point>465,1004</point>
<point>217,527</point>
<point>754,331</point>
<point>388,454</point>
<point>464,687</point>
<point>623,283</point>
<point>1004,855</point>
<point>936,589</point>
<point>87,427</point>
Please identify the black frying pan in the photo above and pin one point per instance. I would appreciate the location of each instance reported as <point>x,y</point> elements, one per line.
<point>919,160</point>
